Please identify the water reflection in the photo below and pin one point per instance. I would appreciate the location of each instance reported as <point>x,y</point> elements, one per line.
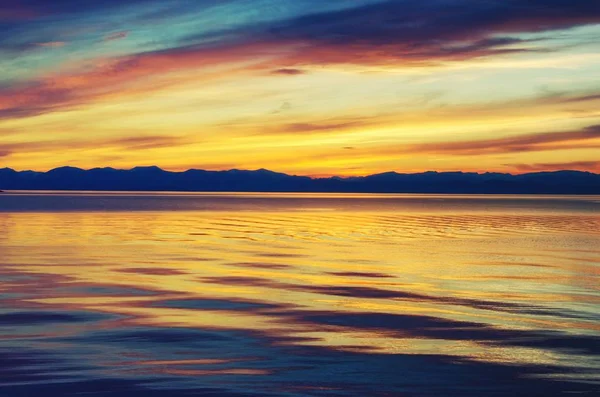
<point>251,297</point>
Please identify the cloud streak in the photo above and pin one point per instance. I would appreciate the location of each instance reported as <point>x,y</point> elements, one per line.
<point>572,165</point>
<point>523,143</point>
<point>288,72</point>
<point>106,77</point>
<point>428,31</point>
<point>139,143</point>
<point>316,128</point>
<point>116,36</point>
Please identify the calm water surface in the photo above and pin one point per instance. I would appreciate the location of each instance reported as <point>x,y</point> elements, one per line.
<point>128,294</point>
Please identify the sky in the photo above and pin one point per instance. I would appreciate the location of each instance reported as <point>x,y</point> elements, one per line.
<point>306,87</point>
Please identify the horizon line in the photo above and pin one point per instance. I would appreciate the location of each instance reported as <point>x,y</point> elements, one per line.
<point>313,176</point>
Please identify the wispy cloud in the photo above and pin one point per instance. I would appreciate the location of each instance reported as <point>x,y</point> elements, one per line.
<point>572,165</point>
<point>316,128</point>
<point>106,77</point>
<point>426,32</point>
<point>52,44</point>
<point>387,32</point>
<point>584,98</point>
<point>288,72</point>
<point>521,143</point>
<point>147,142</point>
<point>116,36</point>
<point>138,143</point>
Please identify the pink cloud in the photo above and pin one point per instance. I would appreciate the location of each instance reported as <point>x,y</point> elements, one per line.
<point>116,36</point>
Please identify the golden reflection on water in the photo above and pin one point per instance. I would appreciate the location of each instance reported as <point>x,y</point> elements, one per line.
<point>480,286</point>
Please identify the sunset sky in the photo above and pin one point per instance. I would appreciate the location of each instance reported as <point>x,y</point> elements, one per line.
<point>308,87</point>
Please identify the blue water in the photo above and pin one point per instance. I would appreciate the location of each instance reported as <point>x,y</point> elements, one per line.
<point>132,294</point>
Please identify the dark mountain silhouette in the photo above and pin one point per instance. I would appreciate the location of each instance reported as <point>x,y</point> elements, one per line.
<point>155,179</point>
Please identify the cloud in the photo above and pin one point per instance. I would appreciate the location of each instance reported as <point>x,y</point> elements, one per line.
<point>18,48</point>
<point>288,72</point>
<point>31,9</point>
<point>14,12</point>
<point>52,44</point>
<point>388,32</point>
<point>522,143</point>
<point>66,90</point>
<point>145,142</point>
<point>584,98</point>
<point>592,166</point>
<point>116,36</point>
<point>283,108</point>
<point>314,128</point>
<point>427,31</point>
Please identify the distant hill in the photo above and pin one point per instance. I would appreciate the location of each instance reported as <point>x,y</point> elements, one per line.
<point>156,179</point>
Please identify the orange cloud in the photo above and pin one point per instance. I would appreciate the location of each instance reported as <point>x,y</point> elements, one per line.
<point>315,128</point>
<point>592,166</point>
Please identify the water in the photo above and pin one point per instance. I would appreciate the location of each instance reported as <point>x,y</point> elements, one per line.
<point>128,294</point>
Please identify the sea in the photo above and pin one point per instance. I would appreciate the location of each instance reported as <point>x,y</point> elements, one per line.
<point>265,294</point>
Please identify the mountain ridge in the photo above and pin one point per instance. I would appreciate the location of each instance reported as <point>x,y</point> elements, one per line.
<point>153,178</point>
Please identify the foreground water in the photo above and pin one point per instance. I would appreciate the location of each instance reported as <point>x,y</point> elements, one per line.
<point>112,294</point>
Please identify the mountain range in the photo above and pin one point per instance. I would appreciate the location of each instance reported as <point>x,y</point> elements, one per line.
<point>156,179</point>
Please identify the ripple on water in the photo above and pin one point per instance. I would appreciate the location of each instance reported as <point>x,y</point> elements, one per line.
<point>301,296</point>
